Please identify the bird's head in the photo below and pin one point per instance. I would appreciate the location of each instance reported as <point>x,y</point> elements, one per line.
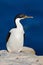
<point>22,16</point>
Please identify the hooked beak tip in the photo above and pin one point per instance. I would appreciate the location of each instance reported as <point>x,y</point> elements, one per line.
<point>30,17</point>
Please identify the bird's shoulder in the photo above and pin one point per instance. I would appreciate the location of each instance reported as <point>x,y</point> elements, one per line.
<point>12,30</point>
<point>15,30</point>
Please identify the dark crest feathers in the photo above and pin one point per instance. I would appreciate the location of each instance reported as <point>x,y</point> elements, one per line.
<point>19,16</point>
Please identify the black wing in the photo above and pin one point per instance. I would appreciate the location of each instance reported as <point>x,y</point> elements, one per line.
<point>24,39</point>
<point>8,36</point>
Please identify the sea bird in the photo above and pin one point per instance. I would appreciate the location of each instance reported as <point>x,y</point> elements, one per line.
<point>15,37</point>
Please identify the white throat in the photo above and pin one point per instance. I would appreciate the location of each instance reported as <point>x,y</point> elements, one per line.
<point>18,24</point>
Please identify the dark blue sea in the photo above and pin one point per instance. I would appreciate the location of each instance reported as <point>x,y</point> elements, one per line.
<point>33,27</point>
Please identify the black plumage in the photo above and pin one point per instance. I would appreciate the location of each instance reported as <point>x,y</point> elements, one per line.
<point>8,36</point>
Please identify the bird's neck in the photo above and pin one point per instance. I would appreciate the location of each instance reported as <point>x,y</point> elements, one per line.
<point>18,24</point>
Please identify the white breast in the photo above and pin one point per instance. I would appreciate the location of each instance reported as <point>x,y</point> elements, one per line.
<point>16,40</point>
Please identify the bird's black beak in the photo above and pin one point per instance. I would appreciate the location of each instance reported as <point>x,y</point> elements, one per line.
<point>28,17</point>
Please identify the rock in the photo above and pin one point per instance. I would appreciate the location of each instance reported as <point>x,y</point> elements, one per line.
<point>41,59</point>
<point>28,50</point>
<point>25,57</point>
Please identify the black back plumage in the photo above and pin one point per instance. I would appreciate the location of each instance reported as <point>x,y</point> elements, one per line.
<point>8,36</point>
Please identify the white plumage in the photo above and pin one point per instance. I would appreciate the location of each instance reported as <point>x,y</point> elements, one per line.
<point>16,40</point>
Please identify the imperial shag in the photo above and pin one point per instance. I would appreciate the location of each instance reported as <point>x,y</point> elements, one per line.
<point>15,38</point>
